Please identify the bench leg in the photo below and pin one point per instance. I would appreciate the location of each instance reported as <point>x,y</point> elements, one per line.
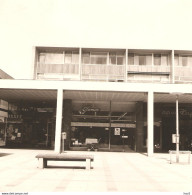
<point>42,163</point>
<point>88,164</point>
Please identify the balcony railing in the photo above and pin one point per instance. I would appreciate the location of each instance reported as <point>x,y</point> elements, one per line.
<point>58,68</point>
<point>148,68</point>
<point>183,74</point>
<point>103,72</point>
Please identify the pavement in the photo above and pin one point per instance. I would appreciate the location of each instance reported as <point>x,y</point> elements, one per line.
<point>110,172</point>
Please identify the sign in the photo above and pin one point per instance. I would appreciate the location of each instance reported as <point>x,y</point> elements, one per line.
<point>175,139</point>
<point>117,131</point>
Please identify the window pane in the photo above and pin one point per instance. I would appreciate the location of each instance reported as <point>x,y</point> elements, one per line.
<point>164,60</point>
<point>112,58</point>
<point>98,58</point>
<point>184,60</point>
<point>75,58</point>
<point>86,58</point>
<point>131,59</point>
<point>157,59</point>
<point>176,60</point>
<point>148,59</point>
<point>189,60</point>
<point>120,60</point>
<point>42,58</point>
<point>68,57</point>
<point>53,58</point>
<point>142,60</point>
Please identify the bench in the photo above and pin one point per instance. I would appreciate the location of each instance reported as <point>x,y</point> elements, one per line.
<point>43,158</point>
<point>180,152</point>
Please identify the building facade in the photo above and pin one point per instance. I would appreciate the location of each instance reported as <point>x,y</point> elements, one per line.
<point>123,98</point>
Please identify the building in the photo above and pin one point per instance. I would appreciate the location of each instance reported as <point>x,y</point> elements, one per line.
<point>121,97</point>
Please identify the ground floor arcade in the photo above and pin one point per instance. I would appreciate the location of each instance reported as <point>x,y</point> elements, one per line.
<point>118,118</point>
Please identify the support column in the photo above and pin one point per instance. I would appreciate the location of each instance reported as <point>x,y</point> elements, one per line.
<point>150,126</point>
<point>58,125</point>
<point>139,127</point>
<point>172,67</point>
<point>67,117</point>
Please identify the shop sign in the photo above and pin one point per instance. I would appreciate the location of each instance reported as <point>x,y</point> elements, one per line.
<point>14,118</point>
<point>184,113</point>
<point>117,131</point>
<point>88,107</point>
<point>3,114</point>
<point>3,104</point>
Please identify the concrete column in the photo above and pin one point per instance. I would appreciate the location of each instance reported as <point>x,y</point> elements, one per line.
<point>67,117</point>
<point>126,64</point>
<point>139,127</point>
<point>150,119</point>
<point>80,58</point>
<point>172,67</point>
<point>58,125</point>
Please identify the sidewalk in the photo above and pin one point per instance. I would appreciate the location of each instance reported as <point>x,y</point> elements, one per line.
<point>112,172</point>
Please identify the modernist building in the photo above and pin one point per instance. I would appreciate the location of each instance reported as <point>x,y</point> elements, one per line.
<point>121,97</point>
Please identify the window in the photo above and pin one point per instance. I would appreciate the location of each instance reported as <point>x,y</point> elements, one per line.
<point>116,59</point>
<point>160,59</point>
<point>75,57</point>
<point>120,59</point>
<point>86,58</point>
<point>68,57</point>
<point>131,59</point>
<point>145,59</point>
<point>157,59</point>
<point>112,58</point>
<point>52,58</point>
<point>142,60</point>
<point>98,58</point>
<point>176,60</point>
<point>164,59</point>
<point>184,60</point>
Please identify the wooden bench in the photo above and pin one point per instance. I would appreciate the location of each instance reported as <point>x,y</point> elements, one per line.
<point>180,152</point>
<point>43,158</point>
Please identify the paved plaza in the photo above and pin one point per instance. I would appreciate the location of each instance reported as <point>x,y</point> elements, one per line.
<point>111,172</point>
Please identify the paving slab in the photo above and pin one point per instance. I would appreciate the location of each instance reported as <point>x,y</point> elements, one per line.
<point>111,172</point>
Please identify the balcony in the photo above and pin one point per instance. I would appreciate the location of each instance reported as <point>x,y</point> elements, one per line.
<point>183,74</point>
<point>149,69</point>
<point>58,71</point>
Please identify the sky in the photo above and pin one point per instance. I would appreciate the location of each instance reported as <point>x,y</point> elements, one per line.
<point>139,24</point>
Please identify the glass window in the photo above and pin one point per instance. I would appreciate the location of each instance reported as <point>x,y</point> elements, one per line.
<point>112,58</point>
<point>120,59</point>
<point>184,60</point>
<point>131,59</point>
<point>164,59</point>
<point>98,58</point>
<point>68,57</point>
<point>41,58</point>
<point>176,60</point>
<point>157,59</point>
<point>149,59</point>
<point>75,57</point>
<point>86,58</point>
<point>142,60</point>
<point>54,58</point>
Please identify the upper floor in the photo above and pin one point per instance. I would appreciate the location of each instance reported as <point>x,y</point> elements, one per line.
<point>113,65</point>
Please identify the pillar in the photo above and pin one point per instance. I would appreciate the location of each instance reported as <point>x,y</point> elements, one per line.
<point>150,126</point>
<point>58,125</point>
<point>139,127</point>
<point>67,117</point>
<point>172,67</point>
